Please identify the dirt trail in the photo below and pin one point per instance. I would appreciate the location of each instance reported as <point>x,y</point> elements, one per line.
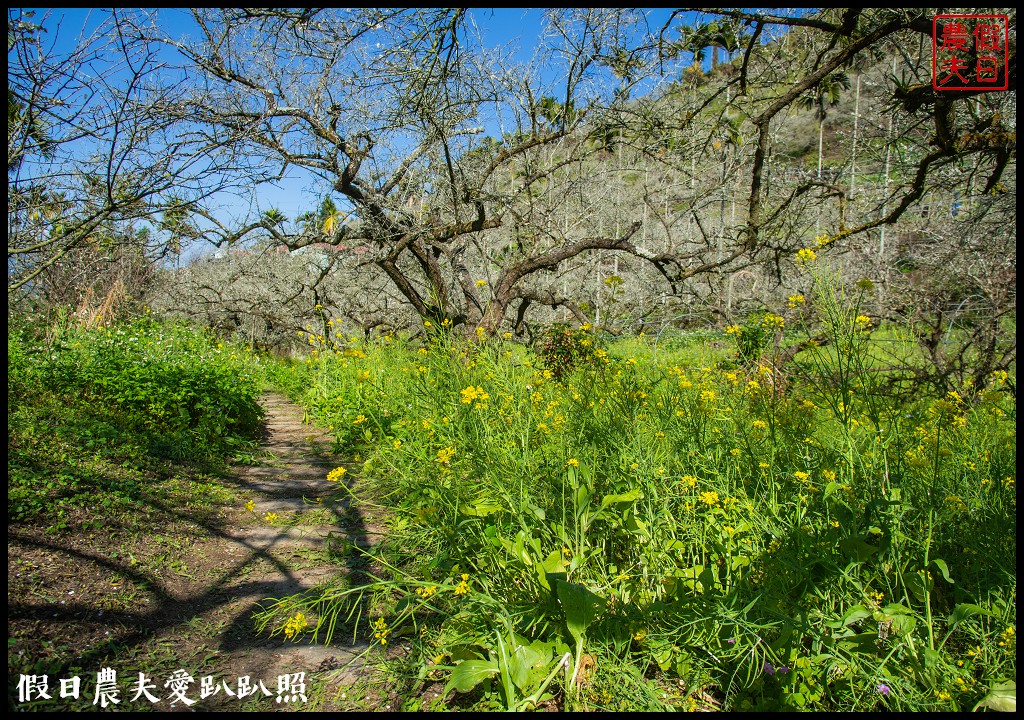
<point>286,556</point>
<point>182,593</point>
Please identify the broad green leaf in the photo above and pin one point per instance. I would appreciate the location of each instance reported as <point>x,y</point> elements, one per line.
<point>528,662</point>
<point>1001,698</point>
<point>482,508</point>
<point>630,497</point>
<point>470,673</point>
<point>941,565</point>
<point>857,549</point>
<point>963,611</point>
<point>636,525</point>
<point>581,608</point>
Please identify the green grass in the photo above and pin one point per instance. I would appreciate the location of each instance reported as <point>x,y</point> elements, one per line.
<point>700,534</point>
<point>92,413</point>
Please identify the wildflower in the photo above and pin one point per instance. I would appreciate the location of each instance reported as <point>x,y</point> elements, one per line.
<point>639,635</point>
<point>772,320</point>
<point>882,689</point>
<point>481,283</point>
<point>768,668</point>
<point>707,396</point>
<point>763,465</point>
<point>473,394</point>
<point>445,455</point>
<point>829,475</point>
<point>573,462</point>
<point>760,425</point>
<point>250,506</point>
<point>753,386</point>
<point>806,255</point>
<point>801,476</point>
<point>335,474</point>
<point>270,517</point>
<point>709,498</point>
<point>427,324</point>
<point>381,631</point>
<point>397,444</point>
<point>864,321</point>
<point>688,480</point>
<point>426,592</point>
<point>463,587</point>
<point>732,330</point>
<point>795,300</point>
<point>360,419</point>
<point>295,625</point>
<point>1009,639</point>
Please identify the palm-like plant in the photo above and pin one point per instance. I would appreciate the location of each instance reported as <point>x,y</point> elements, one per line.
<point>274,217</point>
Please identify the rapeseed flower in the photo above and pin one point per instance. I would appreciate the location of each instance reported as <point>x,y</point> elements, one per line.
<point>806,255</point>
<point>295,625</point>
<point>709,498</point>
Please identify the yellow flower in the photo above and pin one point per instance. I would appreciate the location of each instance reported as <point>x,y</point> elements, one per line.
<point>427,324</point>
<point>335,474</point>
<point>795,300</point>
<point>360,419</point>
<point>806,255</point>
<point>270,517</point>
<point>573,461</point>
<point>760,425</point>
<point>801,476</point>
<point>445,455</point>
<point>295,625</point>
<point>250,506</point>
<point>463,587</point>
<point>398,444</point>
<point>426,592</point>
<point>732,330</point>
<point>381,631</point>
<point>708,498</point>
<point>864,321</point>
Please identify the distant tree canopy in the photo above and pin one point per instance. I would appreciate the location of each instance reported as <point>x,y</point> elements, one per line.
<point>614,145</point>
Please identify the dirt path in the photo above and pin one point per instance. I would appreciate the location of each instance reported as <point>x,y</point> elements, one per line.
<point>284,556</point>
<point>176,589</point>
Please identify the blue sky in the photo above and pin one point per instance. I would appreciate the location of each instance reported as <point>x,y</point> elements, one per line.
<point>294,195</point>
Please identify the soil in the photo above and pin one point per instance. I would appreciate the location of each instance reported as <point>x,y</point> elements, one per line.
<point>181,594</point>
